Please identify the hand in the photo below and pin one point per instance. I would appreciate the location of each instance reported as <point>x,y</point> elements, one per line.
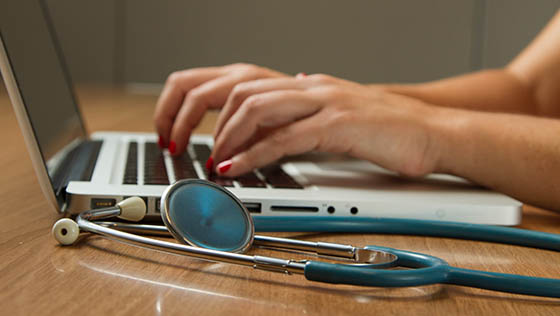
<point>264,120</point>
<point>188,94</point>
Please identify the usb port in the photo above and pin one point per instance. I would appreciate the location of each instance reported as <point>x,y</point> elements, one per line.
<point>158,205</point>
<point>253,207</point>
<point>101,203</point>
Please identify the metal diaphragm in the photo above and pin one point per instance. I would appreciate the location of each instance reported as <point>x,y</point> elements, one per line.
<point>203,214</point>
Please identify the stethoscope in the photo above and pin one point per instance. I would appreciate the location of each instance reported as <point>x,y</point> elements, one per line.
<point>212,224</point>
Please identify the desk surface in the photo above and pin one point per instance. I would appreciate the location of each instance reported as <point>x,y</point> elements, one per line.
<point>99,276</point>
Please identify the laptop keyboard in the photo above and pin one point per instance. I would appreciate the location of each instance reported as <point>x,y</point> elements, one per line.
<point>131,170</point>
<point>183,166</point>
<point>154,165</point>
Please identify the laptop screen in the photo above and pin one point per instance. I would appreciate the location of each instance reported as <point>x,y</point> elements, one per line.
<point>41,78</point>
<point>39,71</point>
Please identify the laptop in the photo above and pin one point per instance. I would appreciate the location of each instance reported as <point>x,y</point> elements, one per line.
<point>78,171</point>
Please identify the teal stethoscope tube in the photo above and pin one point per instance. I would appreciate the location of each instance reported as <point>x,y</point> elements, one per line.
<point>429,270</point>
<point>426,269</point>
<point>497,234</point>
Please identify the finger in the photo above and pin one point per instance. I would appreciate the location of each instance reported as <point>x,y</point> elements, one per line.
<point>298,138</point>
<point>244,90</point>
<point>178,84</point>
<point>208,95</point>
<point>269,109</point>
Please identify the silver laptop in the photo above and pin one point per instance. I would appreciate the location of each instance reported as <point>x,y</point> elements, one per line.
<point>78,171</point>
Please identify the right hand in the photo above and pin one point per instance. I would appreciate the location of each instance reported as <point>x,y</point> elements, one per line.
<point>189,93</point>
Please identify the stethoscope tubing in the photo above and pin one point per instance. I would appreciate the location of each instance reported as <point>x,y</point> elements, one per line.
<point>416,227</point>
<point>425,269</point>
<point>431,270</point>
<point>503,282</point>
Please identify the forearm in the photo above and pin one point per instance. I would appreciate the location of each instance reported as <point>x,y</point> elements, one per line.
<point>514,154</point>
<point>490,90</point>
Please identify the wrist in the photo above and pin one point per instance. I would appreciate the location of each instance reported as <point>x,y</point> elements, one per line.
<point>447,130</point>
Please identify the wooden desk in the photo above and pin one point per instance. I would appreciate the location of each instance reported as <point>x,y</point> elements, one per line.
<point>103,277</point>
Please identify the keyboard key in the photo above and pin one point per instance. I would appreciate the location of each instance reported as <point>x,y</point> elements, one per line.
<point>156,181</point>
<point>183,167</point>
<point>276,177</point>
<point>226,182</point>
<point>202,152</point>
<point>250,180</point>
<point>131,169</point>
<point>154,165</point>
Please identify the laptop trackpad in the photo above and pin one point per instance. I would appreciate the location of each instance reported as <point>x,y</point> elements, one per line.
<point>326,170</point>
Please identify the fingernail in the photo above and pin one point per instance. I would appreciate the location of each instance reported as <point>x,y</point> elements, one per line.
<point>160,143</point>
<point>224,166</point>
<point>209,164</point>
<point>172,147</point>
<point>301,75</point>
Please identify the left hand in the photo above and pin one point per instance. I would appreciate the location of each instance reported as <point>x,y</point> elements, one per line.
<point>264,120</point>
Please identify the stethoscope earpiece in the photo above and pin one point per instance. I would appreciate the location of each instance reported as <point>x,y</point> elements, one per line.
<point>65,231</point>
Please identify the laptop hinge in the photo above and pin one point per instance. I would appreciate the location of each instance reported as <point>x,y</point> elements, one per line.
<point>78,165</point>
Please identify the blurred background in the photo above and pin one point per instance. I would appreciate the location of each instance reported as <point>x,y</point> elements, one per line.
<point>139,42</point>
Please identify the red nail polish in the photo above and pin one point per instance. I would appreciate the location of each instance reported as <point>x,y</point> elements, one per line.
<point>301,75</point>
<point>172,147</point>
<point>161,143</point>
<point>224,166</point>
<point>209,164</point>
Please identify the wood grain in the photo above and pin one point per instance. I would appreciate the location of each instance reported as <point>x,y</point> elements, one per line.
<point>99,276</point>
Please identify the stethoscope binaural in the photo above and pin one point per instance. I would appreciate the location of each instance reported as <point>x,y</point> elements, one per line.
<point>212,224</point>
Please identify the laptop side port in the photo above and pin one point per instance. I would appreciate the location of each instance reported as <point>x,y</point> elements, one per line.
<point>253,207</point>
<point>158,205</point>
<point>101,203</point>
<point>278,208</point>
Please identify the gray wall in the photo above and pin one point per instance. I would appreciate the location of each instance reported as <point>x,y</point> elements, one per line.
<point>87,33</point>
<point>124,41</point>
<point>511,25</point>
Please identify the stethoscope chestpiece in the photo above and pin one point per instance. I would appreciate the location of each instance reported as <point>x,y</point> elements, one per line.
<point>203,214</point>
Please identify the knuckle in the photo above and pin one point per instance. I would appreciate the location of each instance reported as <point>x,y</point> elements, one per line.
<point>322,78</point>
<point>331,92</point>
<point>242,86</point>
<point>239,92</point>
<point>251,71</point>
<point>251,67</point>
<point>196,95</point>
<point>279,139</point>
<point>174,78</point>
<point>252,105</point>
<point>244,66</point>
<point>239,65</point>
